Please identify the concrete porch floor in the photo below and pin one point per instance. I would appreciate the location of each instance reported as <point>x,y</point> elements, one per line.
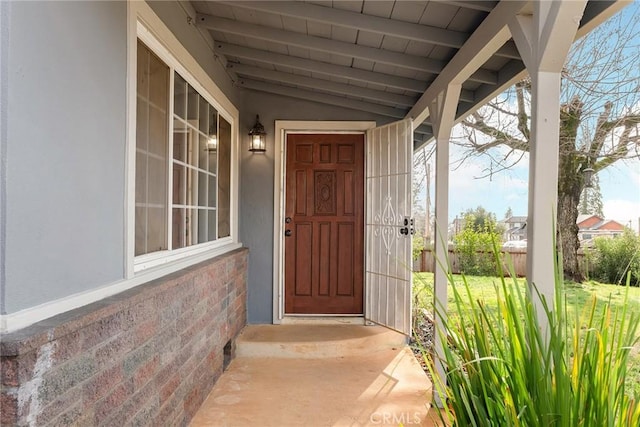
<point>319,375</point>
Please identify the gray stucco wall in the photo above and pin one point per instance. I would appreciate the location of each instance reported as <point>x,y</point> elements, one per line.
<point>257,189</point>
<point>66,69</point>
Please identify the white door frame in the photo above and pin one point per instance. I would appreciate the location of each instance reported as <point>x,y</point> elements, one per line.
<point>281,129</point>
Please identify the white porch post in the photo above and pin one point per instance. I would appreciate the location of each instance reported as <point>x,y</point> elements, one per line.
<point>543,40</point>
<point>442,112</point>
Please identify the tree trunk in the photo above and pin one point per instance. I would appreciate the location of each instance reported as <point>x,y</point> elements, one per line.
<point>570,186</point>
<point>568,235</point>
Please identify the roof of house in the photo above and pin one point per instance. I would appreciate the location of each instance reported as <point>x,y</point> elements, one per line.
<point>389,58</point>
<point>595,222</point>
<point>515,219</point>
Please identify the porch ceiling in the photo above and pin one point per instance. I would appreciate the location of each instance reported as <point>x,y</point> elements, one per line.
<point>390,58</point>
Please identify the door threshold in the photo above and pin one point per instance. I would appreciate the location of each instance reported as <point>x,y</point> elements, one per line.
<point>305,319</point>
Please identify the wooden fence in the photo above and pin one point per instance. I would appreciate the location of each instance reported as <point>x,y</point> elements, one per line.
<point>426,261</point>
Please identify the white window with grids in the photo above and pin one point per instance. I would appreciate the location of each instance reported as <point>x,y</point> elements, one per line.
<point>183,161</point>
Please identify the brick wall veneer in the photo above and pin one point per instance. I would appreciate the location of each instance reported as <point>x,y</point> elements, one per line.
<point>147,356</point>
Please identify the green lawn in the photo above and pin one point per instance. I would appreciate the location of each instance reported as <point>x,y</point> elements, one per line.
<point>578,297</point>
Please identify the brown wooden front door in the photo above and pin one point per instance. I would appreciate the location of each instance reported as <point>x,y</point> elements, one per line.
<point>324,224</point>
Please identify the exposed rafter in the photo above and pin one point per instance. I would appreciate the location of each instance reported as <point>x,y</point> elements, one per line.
<point>382,56</point>
<point>341,101</point>
<point>393,99</point>
<point>485,6</point>
<point>374,24</point>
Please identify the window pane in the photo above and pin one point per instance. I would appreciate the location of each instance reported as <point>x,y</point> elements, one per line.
<point>202,189</point>
<point>203,116</point>
<point>158,83</point>
<point>212,191</point>
<point>178,228</point>
<point>212,162</point>
<point>202,226</point>
<point>213,120</point>
<point>158,131</point>
<point>179,140</point>
<point>203,151</point>
<point>179,96</point>
<point>192,106</point>
<point>192,147</point>
<point>212,226</point>
<point>192,227</point>
<point>179,184</point>
<point>156,229</point>
<point>141,177</point>
<point>224,178</point>
<point>192,187</point>
<point>152,123</point>
<point>141,230</point>
<point>142,117</point>
<point>213,132</point>
<point>143,64</point>
<point>157,181</point>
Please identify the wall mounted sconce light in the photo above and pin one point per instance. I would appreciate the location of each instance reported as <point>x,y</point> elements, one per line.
<point>258,137</point>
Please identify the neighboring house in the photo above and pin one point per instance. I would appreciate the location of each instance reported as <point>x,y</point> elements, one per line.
<point>515,228</point>
<point>592,226</point>
<point>138,233</point>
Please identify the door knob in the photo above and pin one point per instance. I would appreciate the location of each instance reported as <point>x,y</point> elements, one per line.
<point>287,219</point>
<point>287,233</point>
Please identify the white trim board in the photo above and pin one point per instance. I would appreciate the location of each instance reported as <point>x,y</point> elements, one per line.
<point>282,127</point>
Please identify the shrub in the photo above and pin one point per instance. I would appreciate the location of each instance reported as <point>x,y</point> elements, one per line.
<point>505,369</point>
<point>475,251</point>
<point>614,258</point>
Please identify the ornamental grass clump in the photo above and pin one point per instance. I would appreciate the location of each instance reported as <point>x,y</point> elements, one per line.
<point>506,369</point>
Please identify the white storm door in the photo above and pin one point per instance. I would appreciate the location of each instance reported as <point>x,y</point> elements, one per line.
<point>389,225</point>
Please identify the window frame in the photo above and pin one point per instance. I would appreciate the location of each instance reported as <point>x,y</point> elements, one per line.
<point>145,26</point>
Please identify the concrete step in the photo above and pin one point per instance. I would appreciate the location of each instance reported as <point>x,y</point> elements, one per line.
<point>315,341</point>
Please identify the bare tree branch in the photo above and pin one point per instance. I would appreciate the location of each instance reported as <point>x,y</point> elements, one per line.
<point>499,137</point>
<point>626,142</point>
<point>601,132</point>
<point>523,117</point>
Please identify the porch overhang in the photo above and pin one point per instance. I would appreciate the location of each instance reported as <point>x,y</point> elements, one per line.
<point>389,58</point>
